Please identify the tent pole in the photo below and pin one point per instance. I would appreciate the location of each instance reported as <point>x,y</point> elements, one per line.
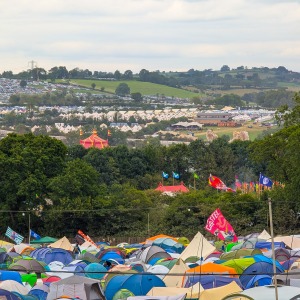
<point>29,227</point>
<point>273,250</point>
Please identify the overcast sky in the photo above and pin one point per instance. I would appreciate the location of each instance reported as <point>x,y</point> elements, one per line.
<point>165,35</point>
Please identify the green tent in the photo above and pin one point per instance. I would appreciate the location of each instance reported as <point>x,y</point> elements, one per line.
<point>44,240</point>
<point>239,264</point>
<point>240,253</point>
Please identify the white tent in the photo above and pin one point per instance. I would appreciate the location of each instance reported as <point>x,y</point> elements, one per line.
<point>199,246</point>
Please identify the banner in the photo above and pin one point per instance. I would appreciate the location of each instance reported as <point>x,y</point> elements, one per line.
<point>220,227</point>
<point>87,238</point>
<point>17,238</point>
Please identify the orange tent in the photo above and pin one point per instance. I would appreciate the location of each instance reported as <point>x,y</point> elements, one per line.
<point>212,268</point>
<point>150,240</point>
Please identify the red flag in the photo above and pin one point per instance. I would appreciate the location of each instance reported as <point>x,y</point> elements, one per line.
<point>216,183</point>
<point>220,227</point>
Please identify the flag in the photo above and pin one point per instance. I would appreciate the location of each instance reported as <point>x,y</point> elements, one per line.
<point>216,183</point>
<point>175,175</point>
<point>220,227</point>
<point>34,235</point>
<point>108,132</point>
<point>264,180</point>
<point>238,184</point>
<point>165,175</point>
<point>17,238</point>
<point>196,176</point>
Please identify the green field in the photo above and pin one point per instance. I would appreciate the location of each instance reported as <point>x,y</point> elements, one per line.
<point>145,88</point>
<point>253,132</point>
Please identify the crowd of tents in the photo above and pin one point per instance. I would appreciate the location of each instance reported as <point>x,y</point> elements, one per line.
<point>161,268</point>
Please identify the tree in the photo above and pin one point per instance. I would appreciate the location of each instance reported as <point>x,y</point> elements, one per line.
<point>128,75</point>
<point>93,85</point>
<point>137,97</point>
<point>225,68</point>
<point>117,75</point>
<point>122,89</point>
<point>23,83</point>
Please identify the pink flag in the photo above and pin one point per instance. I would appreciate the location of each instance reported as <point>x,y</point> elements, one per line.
<point>220,227</point>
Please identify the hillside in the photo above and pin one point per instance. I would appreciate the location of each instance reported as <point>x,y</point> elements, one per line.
<point>145,88</point>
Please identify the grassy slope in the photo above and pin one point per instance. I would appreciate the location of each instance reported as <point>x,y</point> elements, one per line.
<point>145,88</point>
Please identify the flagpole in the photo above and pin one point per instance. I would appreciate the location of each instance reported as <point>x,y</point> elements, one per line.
<point>194,182</point>
<point>273,248</point>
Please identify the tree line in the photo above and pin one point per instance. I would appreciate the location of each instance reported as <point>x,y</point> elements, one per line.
<point>110,192</point>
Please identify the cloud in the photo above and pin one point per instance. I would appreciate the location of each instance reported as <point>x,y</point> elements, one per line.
<point>152,34</point>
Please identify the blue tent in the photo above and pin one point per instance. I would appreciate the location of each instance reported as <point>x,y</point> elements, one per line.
<point>10,275</point>
<point>40,291</point>
<point>8,295</point>
<point>113,256</point>
<point>167,243</point>
<point>138,284</point>
<point>210,281</point>
<point>258,268</point>
<point>48,255</point>
<point>262,258</point>
<point>259,280</point>
<point>268,245</point>
<point>95,271</point>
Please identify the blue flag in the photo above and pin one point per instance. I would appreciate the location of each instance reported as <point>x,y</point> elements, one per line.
<point>34,235</point>
<point>165,175</point>
<point>264,180</point>
<point>175,175</point>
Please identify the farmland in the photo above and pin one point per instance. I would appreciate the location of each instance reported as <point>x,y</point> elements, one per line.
<point>145,88</point>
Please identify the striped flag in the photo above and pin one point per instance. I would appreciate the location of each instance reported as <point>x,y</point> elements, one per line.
<point>17,238</point>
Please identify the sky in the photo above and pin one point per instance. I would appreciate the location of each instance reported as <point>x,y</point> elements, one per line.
<point>165,35</point>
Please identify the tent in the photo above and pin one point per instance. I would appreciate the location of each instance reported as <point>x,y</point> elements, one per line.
<point>291,241</point>
<point>281,254</point>
<point>62,243</point>
<point>211,281</point>
<point>239,264</point>
<point>76,286</point>
<point>173,278</point>
<point>177,297</point>
<point>48,255</point>
<point>13,286</point>
<point>191,293</point>
<point>138,284</point>
<point>168,243</point>
<point>44,240</point>
<point>218,292</point>
<point>7,295</point>
<point>239,253</point>
<point>40,291</point>
<point>199,246</point>
<point>153,252</point>
<point>27,265</point>
<point>266,292</point>
<point>258,268</point>
<point>264,235</point>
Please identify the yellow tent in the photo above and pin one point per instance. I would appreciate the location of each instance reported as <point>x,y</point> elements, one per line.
<point>63,243</point>
<point>176,281</point>
<point>192,292</point>
<point>220,292</point>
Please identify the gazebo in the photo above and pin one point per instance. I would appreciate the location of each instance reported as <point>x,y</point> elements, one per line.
<point>172,189</point>
<point>94,141</point>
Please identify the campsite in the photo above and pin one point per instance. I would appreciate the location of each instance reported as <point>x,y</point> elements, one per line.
<point>161,267</point>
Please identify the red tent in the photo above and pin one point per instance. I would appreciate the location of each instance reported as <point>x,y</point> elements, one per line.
<point>181,188</point>
<point>94,141</point>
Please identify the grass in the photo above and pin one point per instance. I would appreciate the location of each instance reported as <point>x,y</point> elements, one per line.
<point>253,132</point>
<point>145,88</point>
